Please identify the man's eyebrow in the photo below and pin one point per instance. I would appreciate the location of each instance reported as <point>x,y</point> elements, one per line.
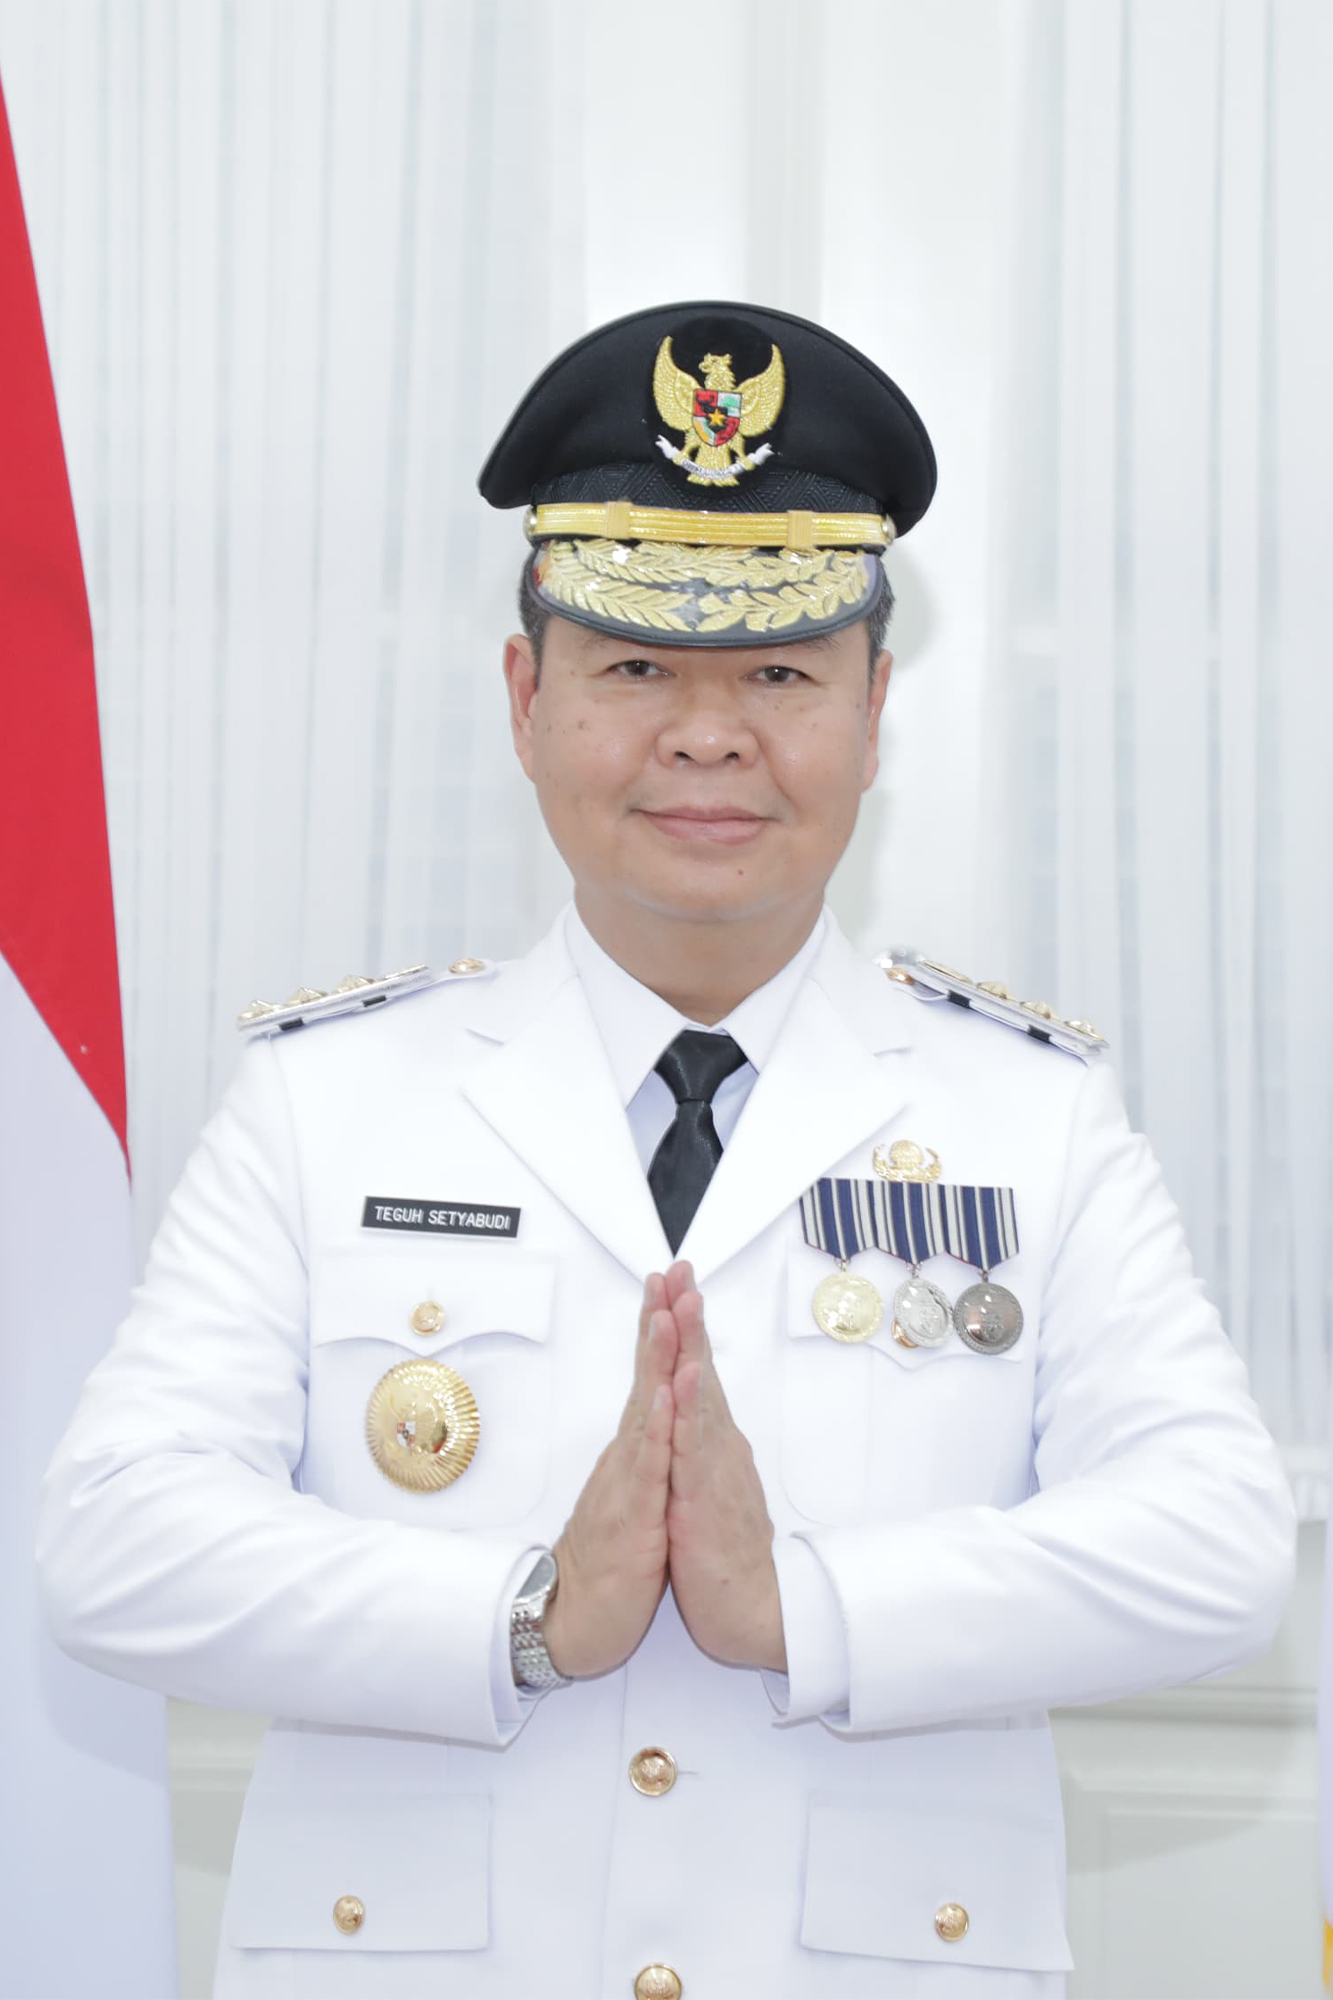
<point>590,639</point>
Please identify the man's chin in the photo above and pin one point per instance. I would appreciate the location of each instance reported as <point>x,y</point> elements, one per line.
<point>723,900</point>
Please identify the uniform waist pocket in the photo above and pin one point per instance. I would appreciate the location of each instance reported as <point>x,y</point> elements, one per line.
<point>895,1882</point>
<point>386,1872</point>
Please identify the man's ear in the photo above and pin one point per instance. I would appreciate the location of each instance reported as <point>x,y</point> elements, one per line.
<point>879,687</point>
<point>520,672</point>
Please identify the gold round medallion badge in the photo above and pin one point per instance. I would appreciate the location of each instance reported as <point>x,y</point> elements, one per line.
<point>847,1307</point>
<point>422,1425</point>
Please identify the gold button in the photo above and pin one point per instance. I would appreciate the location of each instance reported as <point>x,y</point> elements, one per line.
<point>658,1982</point>
<point>467,965</point>
<point>427,1317</point>
<point>951,1921</point>
<point>652,1772</point>
<point>349,1913</point>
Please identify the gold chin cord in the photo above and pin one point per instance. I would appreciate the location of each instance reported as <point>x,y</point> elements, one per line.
<point>620,521</point>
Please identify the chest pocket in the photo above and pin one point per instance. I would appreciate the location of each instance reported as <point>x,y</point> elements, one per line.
<point>878,1431</point>
<point>481,1309</point>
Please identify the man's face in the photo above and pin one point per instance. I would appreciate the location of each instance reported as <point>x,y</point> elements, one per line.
<point>697,784</point>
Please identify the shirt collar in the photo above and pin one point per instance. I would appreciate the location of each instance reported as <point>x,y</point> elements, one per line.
<point>636,1024</point>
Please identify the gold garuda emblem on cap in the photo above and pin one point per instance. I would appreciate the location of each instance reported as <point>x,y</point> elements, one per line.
<point>717,415</point>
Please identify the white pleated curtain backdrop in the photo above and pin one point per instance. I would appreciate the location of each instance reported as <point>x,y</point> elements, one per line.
<point>1159,694</point>
<point>299,258</point>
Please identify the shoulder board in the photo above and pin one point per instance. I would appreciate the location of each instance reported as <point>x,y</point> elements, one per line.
<point>929,981</point>
<point>353,995</point>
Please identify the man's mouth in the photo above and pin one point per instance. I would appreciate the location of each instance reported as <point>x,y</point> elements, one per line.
<point>728,825</point>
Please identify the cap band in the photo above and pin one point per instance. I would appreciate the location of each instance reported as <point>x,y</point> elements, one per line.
<point>621,521</point>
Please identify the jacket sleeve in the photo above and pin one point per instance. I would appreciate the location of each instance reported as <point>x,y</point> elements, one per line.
<point>1160,1542</point>
<point>173,1547</point>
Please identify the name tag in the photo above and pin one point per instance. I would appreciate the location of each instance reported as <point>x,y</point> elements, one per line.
<point>438,1218</point>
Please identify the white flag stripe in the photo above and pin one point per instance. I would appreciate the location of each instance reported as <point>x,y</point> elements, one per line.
<point>86,1825</point>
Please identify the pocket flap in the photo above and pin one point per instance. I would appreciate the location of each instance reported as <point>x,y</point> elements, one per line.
<point>378,1292</point>
<point>877,1876</point>
<point>417,1865</point>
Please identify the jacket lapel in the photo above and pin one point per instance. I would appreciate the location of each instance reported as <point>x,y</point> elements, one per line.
<point>548,1091</point>
<point>836,1076</point>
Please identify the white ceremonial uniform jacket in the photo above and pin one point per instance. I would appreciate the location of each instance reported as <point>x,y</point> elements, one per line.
<point>1095,1512</point>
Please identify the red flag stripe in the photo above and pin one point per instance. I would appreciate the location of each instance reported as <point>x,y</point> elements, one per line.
<point>57,922</point>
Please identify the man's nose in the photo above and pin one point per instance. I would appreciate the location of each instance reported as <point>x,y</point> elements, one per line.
<point>706,728</point>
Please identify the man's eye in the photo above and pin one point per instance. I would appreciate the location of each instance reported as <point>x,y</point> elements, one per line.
<point>637,670</point>
<point>779,677</point>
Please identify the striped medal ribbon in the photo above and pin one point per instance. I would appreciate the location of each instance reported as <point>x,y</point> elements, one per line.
<point>914,1221</point>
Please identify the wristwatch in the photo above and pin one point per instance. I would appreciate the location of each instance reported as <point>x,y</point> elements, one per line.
<point>531,1663</point>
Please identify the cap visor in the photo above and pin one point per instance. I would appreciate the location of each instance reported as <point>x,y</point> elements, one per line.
<point>690,596</point>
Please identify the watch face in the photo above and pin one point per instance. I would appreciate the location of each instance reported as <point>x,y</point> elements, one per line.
<point>541,1577</point>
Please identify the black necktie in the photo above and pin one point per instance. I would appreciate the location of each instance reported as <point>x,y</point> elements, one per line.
<point>692,1068</point>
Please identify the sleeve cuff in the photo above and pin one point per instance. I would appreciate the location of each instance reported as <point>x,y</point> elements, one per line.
<point>513,1704</point>
<point>818,1676</point>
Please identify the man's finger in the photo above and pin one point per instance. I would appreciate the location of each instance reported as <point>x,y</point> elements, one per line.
<point>679,1280</point>
<point>654,1298</point>
<point>689,1316</point>
<point>659,1360</point>
<point>641,1386</point>
<point>650,1468</point>
<point>687,1467</point>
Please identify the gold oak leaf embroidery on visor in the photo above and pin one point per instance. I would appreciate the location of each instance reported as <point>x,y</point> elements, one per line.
<point>657,585</point>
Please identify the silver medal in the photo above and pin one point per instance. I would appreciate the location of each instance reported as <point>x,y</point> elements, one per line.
<point>989,1318</point>
<point>923,1313</point>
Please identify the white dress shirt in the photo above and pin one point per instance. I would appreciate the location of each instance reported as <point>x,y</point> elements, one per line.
<point>636,1025</point>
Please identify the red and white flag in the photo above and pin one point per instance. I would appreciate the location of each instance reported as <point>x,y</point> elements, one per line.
<point>85,1823</point>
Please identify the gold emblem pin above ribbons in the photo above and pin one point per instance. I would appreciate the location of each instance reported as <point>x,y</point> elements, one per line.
<point>904,1160</point>
<point>621,521</point>
<point>422,1426</point>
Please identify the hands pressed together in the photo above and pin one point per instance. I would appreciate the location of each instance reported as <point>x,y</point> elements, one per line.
<point>674,1497</point>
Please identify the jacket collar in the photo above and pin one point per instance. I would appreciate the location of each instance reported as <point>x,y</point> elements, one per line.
<point>545,1085</point>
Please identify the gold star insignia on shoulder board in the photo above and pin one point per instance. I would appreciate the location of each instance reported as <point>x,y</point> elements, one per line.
<point>351,995</point>
<point>932,982</point>
<point>354,994</point>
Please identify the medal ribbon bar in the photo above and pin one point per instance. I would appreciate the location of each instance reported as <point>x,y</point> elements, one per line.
<point>911,1221</point>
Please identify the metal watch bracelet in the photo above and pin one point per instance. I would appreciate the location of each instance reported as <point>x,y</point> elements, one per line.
<point>529,1661</point>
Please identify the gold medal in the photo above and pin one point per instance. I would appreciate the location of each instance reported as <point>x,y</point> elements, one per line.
<point>846,1307</point>
<point>422,1425</point>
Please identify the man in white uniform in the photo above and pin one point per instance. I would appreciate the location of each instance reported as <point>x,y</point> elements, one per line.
<point>660,1421</point>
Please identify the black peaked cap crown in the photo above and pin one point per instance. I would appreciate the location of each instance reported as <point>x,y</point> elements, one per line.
<point>842,419</point>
